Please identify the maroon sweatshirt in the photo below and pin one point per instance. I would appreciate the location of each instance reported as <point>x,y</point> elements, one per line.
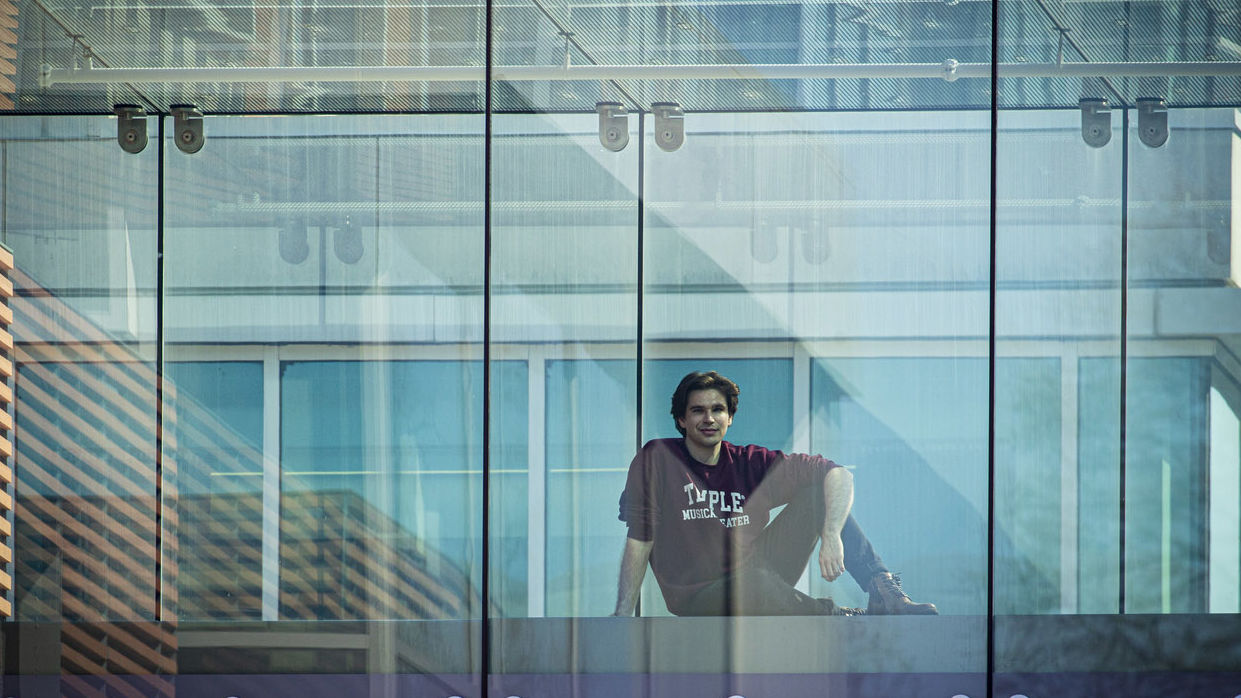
<point>704,518</point>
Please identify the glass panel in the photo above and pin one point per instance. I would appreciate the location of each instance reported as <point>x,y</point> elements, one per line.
<point>358,57</point>
<point>851,252</point>
<point>873,412</point>
<point>80,216</point>
<point>1182,336</point>
<point>564,262</point>
<point>1057,412</point>
<point>334,51</point>
<point>1143,532</point>
<point>86,530</point>
<point>213,414</point>
<point>564,265</point>
<point>663,51</point>
<point>380,497</point>
<point>587,454</point>
<point>296,503</point>
<point>323,286</point>
<point>1059,305</point>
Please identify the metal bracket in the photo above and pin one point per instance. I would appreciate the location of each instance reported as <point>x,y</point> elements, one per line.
<point>131,127</point>
<point>1153,121</point>
<point>948,70</point>
<point>669,125</point>
<point>1096,121</point>
<point>187,124</point>
<point>613,125</point>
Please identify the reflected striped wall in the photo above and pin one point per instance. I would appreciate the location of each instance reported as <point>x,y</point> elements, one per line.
<point>110,550</point>
<point>6,428</point>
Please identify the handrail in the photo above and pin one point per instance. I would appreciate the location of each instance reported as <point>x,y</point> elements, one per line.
<point>949,70</point>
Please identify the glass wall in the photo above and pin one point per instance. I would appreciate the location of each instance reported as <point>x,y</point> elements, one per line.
<point>346,401</point>
<point>323,289</point>
<point>86,531</point>
<point>564,304</point>
<point>1059,317</point>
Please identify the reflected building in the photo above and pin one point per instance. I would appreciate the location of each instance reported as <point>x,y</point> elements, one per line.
<point>92,567</point>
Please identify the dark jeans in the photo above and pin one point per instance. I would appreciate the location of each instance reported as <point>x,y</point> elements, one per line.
<point>764,585</point>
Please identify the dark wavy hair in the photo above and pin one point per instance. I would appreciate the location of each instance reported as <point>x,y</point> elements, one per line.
<point>702,380</point>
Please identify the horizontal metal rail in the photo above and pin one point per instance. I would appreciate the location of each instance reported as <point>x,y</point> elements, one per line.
<point>429,207</point>
<point>949,70</point>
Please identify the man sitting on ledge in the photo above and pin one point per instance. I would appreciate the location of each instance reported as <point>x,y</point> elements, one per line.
<point>699,511</point>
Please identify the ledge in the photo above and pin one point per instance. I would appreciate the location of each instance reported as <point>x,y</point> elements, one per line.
<point>944,645</point>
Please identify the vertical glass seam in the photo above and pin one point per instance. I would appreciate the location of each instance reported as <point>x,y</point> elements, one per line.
<point>1124,338</point>
<point>159,373</point>
<point>991,344</point>
<point>639,355</point>
<point>485,567</point>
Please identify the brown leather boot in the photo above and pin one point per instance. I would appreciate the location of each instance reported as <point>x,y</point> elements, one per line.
<point>888,599</point>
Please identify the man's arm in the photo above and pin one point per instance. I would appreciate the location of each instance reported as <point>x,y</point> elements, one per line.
<point>838,498</point>
<point>633,568</point>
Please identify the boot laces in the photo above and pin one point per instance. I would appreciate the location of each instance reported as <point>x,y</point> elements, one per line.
<point>892,582</point>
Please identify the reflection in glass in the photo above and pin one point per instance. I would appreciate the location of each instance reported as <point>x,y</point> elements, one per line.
<point>814,239</point>
<point>564,265</point>
<point>86,527</point>
<point>1166,485</point>
<point>589,444</point>
<point>213,414</point>
<point>87,476</point>
<point>1057,411</point>
<point>86,531</point>
<point>1182,370</point>
<point>322,318</point>
<point>313,449</point>
<point>846,255</point>
<point>912,461</point>
<point>379,495</point>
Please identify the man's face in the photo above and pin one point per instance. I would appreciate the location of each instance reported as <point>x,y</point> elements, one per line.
<point>706,418</point>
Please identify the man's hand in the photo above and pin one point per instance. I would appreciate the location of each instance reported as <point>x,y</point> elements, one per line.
<point>838,495</point>
<point>831,557</point>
